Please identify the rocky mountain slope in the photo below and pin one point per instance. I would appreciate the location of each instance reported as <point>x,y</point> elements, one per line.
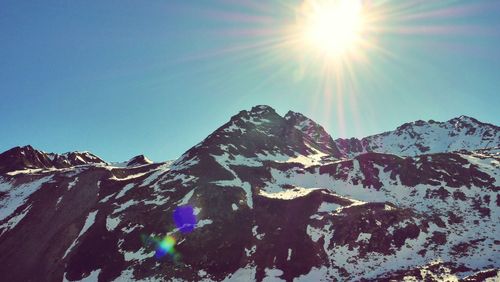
<point>264,198</point>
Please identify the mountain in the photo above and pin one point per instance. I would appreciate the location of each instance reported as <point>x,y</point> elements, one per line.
<point>264,198</point>
<point>426,137</point>
<point>22,158</point>
<point>139,160</point>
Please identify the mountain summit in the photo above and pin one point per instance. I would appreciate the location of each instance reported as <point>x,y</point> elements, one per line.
<point>262,198</point>
<point>26,157</point>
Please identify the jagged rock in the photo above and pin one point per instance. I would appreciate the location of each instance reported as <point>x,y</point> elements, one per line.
<point>26,157</point>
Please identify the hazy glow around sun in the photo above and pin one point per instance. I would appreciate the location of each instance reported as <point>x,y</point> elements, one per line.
<point>332,27</point>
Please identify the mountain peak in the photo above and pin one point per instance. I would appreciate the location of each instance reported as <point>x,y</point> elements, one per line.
<point>22,149</point>
<point>470,125</point>
<point>261,134</point>
<point>314,131</point>
<point>27,157</point>
<point>139,160</point>
<point>255,115</point>
<point>463,119</point>
<point>262,109</point>
<point>292,114</point>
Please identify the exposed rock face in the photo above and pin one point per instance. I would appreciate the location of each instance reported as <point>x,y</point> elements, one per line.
<point>274,198</point>
<point>22,158</point>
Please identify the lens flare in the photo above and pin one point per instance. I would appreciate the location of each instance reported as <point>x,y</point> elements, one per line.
<point>185,219</point>
<point>165,246</point>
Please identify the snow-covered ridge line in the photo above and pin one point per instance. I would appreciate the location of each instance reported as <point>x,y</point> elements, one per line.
<point>419,137</point>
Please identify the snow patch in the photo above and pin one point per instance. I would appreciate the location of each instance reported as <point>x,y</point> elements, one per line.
<point>125,206</point>
<point>288,194</point>
<point>139,255</point>
<point>272,275</point>
<point>243,274</point>
<point>125,190</point>
<point>93,277</point>
<point>364,238</point>
<point>203,222</point>
<point>72,184</point>
<point>112,222</point>
<point>16,196</point>
<point>328,207</point>
<point>13,221</point>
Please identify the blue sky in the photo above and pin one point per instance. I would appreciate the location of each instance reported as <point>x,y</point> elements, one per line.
<point>121,78</point>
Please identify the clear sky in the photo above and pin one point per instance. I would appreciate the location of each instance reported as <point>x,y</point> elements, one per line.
<point>121,78</point>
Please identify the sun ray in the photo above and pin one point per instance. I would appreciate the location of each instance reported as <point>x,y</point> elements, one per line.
<point>335,44</point>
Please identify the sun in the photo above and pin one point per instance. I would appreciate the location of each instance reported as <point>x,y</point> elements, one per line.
<point>332,28</point>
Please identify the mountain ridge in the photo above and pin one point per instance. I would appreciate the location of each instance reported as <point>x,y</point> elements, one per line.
<point>26,157</point>
<point>340,147</point>
<point>427,141</point>
<point>269,204</point>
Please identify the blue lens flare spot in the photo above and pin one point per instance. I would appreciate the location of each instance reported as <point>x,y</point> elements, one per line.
<point>160,253</point>
<point>184,219</point>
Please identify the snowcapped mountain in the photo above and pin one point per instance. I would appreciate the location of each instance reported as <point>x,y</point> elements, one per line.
<point>263,198</point>
<point>426,137</point>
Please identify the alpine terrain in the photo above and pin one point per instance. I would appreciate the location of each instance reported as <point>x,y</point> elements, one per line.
<point>263,198</point>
